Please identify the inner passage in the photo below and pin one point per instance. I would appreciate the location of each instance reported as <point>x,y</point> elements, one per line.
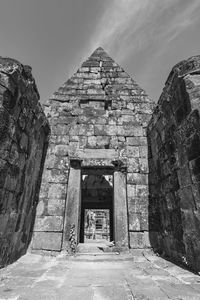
<point>96,208</point>
<point>97,225</point>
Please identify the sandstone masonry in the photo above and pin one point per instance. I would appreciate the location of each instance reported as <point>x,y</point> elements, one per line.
<point>174,164</point>
<point>102,124</point>
<point>98,118</point>
<point>23,143</point>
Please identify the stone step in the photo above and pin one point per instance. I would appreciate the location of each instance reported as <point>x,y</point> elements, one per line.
<point>94,248</point>
<point>95,257</point>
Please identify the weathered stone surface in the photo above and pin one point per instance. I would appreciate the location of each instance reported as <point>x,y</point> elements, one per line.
<point>139,240</point>
<point>23,142</point>
<point>174,147</point>
<point>120,210</point>
<point>72,219</point>
<point>49,223</point>
<point>137,178</point>
<point>98,116</point>
<point>138,221</point>
<point>47,241</point>
<point>56,207</point>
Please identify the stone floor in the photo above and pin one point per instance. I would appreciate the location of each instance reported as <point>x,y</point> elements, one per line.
<point>141,275</point>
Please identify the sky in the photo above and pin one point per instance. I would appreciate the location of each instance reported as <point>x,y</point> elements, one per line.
<point>146,37</point>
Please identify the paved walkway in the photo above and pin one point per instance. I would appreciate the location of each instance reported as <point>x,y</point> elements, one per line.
<point>97,277</point>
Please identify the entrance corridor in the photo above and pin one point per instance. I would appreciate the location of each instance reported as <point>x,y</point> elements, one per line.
<point>137,275</point>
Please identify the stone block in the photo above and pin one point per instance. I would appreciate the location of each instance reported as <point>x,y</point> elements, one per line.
<point>131,190</point>
<point>136,141</point>
<point>137,178</point>
<point>98,153</point>
<point>47,241</point>
<point>132,151</point>
<point>143,165</point>
<point>56,176</point>
<point>127,119</point>
<point>142,191</point>
<point>60,129</point>
<point>103,140</point>
<point>138,204</point>
<point>144,108</point>
<point>56,162</point>
<point>49,223</point>
<point>100,130</point>
<point>59,139</point>
<point>44,188</point>
<point>127,130</point>
<point>82,141</point>
<point>100,121</point>
<point>105,130</point>
<point>139,240</point>
<point>91,142</point>
<point>121,139</point>
<point>41,208</point>
<point>57,191</point>
<point>61,150</point>
<point>133,165</point>
<point>83,129</point>
<point>113,142</point>
<point>56,207</point>
<point>134,221</point>
<point>120,210</point>
<point>147,241</point>
<point>143,150</point>
<point>138,221</point>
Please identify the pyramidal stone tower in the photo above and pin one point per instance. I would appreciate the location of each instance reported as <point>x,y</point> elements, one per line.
<point>96,160</point>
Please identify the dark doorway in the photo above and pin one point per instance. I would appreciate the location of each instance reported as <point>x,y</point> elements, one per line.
<point>96,205</point>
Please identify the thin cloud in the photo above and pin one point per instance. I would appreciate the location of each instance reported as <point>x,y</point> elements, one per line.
<point>129,26</point>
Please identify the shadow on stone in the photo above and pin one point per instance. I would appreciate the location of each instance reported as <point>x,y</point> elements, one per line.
<point>174,170</point>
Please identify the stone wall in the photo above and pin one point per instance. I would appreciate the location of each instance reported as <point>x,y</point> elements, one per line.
<point>23,143</point>
<point>98,115</point>
<point>174,162</point>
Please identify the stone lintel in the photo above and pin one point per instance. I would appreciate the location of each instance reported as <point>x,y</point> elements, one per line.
<point>97,171</point>
<point>87,162</point>
<point>97,154</point>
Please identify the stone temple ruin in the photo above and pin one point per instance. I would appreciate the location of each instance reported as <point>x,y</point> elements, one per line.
<point>98,121</point>
<point>110,152</point>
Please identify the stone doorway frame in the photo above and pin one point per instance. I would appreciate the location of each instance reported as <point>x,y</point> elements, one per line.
<point>72,218</point>
<point>100,170</point>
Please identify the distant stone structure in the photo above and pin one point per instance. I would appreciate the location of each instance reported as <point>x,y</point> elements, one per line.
<point>98,121</point>
<point>174,164</point>
<point>23,142</point>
